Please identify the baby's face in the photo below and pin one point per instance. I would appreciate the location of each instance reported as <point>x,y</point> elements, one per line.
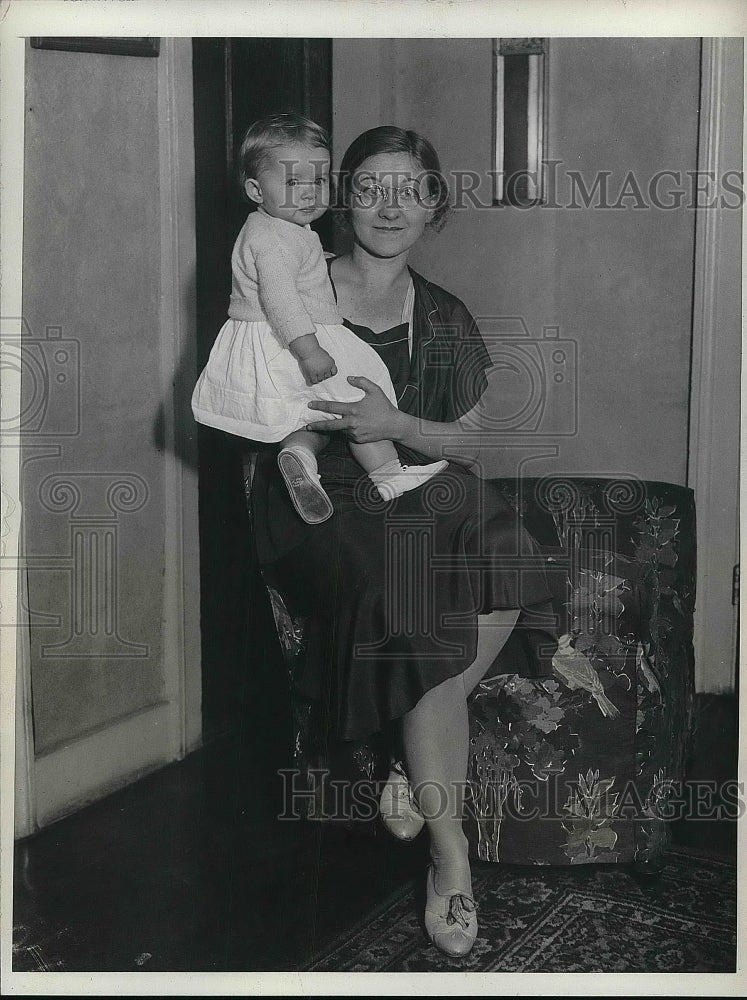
<point>293,183</point>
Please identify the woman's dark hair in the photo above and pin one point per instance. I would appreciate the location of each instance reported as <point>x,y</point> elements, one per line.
<point>392,139</point>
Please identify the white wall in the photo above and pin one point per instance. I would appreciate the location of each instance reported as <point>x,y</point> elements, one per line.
<point>623,284</point>
<point>617,282</point>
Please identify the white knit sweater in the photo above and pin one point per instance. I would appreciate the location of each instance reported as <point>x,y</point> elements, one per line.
<point>280,276</point>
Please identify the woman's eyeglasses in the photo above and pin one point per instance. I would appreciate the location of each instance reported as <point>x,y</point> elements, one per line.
<point>372,195</point>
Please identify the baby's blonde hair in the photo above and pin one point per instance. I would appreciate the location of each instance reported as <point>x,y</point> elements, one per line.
<point>272,131</point>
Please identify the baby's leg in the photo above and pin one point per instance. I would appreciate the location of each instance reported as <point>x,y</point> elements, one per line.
<point>297,464</point>
<point>305,441</point>
<point>389,476</point>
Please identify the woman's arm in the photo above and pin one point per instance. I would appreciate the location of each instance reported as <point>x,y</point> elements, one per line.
<point>374,418</point>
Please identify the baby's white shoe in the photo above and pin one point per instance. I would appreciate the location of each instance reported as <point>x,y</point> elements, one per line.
<point>393,482</point>
<point>304,486</point>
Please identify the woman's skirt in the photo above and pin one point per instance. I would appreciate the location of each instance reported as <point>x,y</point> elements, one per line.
<point>393,591</point>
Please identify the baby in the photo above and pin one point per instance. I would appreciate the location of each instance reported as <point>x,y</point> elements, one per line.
<point>284,343</point>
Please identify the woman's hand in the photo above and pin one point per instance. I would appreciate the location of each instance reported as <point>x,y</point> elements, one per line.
<point>372,418</point>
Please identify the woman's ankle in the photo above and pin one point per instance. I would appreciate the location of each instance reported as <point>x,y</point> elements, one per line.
<point>452,870</point>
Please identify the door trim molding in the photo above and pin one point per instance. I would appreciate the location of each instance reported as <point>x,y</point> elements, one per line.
<point>91,767</point>
<point>16,730</point>
<point>178,343</point>
<point>715,618</point>
<point>25,818</point>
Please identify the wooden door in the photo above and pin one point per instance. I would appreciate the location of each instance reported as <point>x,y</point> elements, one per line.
<point>237,80</point>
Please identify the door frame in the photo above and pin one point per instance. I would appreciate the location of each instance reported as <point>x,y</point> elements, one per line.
<point>713,452</point>
<point>178,342</point>
<point>238,79</point>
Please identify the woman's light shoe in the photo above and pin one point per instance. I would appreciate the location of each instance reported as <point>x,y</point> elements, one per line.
<point>409,477</point>
<point>305,488</point>
<point>399,810</point>
<point>450,920</point>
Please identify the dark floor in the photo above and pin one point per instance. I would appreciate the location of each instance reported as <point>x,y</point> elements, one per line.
<point>188,870</point>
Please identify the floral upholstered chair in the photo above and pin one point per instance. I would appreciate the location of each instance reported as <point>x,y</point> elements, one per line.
<point>581,764</point>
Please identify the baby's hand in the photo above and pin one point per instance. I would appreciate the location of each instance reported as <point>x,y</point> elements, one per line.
<point>314,362</point>
<point>317,366</point>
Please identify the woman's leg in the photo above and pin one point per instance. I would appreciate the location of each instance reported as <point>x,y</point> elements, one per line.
<point>436,741</point>
<point>493,631</point>
<point>436,737</point>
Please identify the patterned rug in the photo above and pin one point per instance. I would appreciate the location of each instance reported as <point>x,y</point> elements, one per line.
<point>592,918</point>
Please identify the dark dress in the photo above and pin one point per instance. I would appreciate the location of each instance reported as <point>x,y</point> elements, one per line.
<point>393,590</point>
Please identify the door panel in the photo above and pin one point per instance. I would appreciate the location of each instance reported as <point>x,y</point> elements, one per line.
<point>107,618</point>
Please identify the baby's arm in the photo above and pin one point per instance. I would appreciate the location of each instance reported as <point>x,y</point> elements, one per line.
<point>287,314</point>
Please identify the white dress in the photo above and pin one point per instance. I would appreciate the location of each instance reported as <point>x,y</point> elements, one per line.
<point>252,385</point>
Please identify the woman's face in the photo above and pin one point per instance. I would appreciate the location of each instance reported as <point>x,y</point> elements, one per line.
<point>388,204</point>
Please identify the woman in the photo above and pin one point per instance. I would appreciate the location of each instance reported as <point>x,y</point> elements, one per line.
<point>409,601</point>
